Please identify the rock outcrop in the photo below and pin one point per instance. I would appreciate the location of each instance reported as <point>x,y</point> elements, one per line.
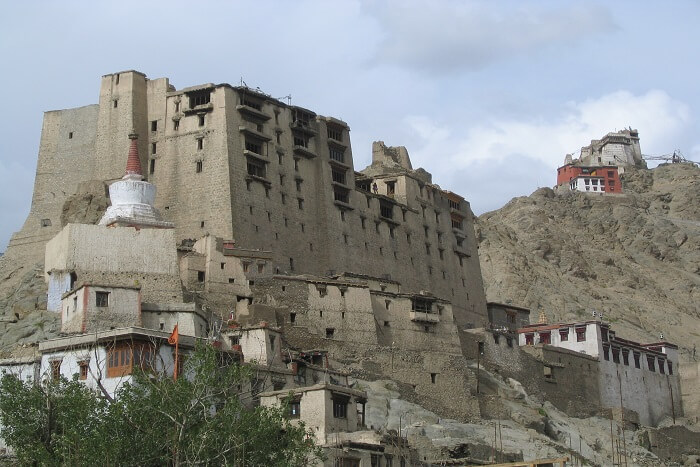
<point>634,257</point>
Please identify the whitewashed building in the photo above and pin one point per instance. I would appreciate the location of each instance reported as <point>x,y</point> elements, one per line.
<point>643,376</point>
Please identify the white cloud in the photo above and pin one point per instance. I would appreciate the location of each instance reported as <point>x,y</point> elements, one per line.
<point>452,35</point>
<point>658,117</point>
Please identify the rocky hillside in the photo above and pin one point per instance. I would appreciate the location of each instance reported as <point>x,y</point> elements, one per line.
<point>633,257</point>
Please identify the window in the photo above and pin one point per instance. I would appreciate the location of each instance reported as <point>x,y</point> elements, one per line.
<point>670,367</point>
<point>338,176</point>
<point>611,174</point>
<point>122,358</point>
<point>433,377</point>
<point>248,102</point>
<point>295,409</point>
<point>198,166</point>
<point>261,268</point>
<point>604,333</point>
<point>606,353</point>
<point>83,365</point>
<point>390,188</point>
<point>330,332</point>
<point>626,356</point>
<point>454,204</point>
<point>46,222</point>
<point>101,299</point>
<point>456,223</point>
<point>300,202</point>
<point>616,354</point>
<point>176,125</point>
<point>119,361</point>
<point>339,194</point>
<point>200,143</point>
<point>200,276</point>
<point>253,146</point>
<point>564,335</point>
<point>298,183</point>
<point>662,366</point>
<point>529,339</point>
<point>55,369</point>
<point>70,135</point>
<point>256,168</point>
<point>637,356</point>
<point>199,98</point>
<point>177,106</point>
<point>340,407</point>
<point>422,305</point>
<point>335,133</point>
<point>651,362</point>
<point>545,338</point>
<point>509,341</point>
<point>580,334</point>
<point>300,140</point>
<point>201,120</point>
<point>338,155</point>
<point>154,125</point>
<point>152,166</point>
<point>246,266</point>
<point>375,460</point>
<point>386,209</point>
<point>114,103</point>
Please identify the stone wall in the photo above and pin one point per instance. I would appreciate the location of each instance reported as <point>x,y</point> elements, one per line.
<point>690,382</point>
<point>119,257</point>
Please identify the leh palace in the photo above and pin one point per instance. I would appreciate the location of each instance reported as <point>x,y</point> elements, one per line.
<point>243,221</point>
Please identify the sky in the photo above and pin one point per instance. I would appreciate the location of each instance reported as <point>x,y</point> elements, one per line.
<point>488,96</point>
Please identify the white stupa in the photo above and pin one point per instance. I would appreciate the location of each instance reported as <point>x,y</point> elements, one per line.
<point>133,198</point>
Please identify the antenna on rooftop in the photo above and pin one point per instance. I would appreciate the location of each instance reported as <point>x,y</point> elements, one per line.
<point>288,97</point>
<point>243,83</point>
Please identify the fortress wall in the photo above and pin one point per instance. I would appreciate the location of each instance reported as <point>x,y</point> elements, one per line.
<point>128,91</point>
<point>317,238</point>
<point>197,202</point>
<point>66,154</point>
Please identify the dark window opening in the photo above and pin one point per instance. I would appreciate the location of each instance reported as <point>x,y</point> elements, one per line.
<point>390,188</point>
<point>651,362</point>
<point>46,222</point>
<point>335,133</point>
<point>101,299</point>
<point>302,141</point>
<point>154,125</point>
<point>199,166</point>
<point>201,120</point>
<point>340,407</point>
<point>295,409</point>
<point>330,332</point>
<point>386,210</point>
<point>433,377</point>
<point>152,166</point>
<point>637,363</point>
<point>199,98</point>
<point>529,339</point>
<point>338,155</point>
<point>200,144</point>
<point>616,354</point>
<point>338,176</point>
<point>55,369</point>
<point>580,334</point>
<point>454,204</point>
<point>422,305</point>
<point>70,135</point>
<point>253,146</point>
<point>200,276</point>
<point>292,317</point>
<point>256,168</point>
<point>545,338</point>
<point>606,353</point>
<point>176,124</point>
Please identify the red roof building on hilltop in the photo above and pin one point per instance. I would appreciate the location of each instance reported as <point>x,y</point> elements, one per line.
<point>601,180</point>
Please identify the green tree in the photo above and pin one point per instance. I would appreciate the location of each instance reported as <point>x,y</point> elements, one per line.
<point>53,423</point>
<point>199,419</point>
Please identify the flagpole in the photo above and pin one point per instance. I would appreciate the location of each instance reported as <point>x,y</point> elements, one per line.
<point>177,344</point>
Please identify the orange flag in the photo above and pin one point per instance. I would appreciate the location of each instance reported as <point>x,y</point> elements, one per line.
<point>174,337</point>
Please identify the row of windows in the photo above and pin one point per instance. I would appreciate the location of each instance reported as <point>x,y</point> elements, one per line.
<point>637,356</point>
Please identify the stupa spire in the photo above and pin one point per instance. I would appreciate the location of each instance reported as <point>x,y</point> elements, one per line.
<point>133,161</point>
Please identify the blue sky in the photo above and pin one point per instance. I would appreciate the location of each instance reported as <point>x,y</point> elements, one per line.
<point>487,96</point>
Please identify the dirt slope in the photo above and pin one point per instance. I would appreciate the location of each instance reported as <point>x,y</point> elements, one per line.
<point>633,257</point>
